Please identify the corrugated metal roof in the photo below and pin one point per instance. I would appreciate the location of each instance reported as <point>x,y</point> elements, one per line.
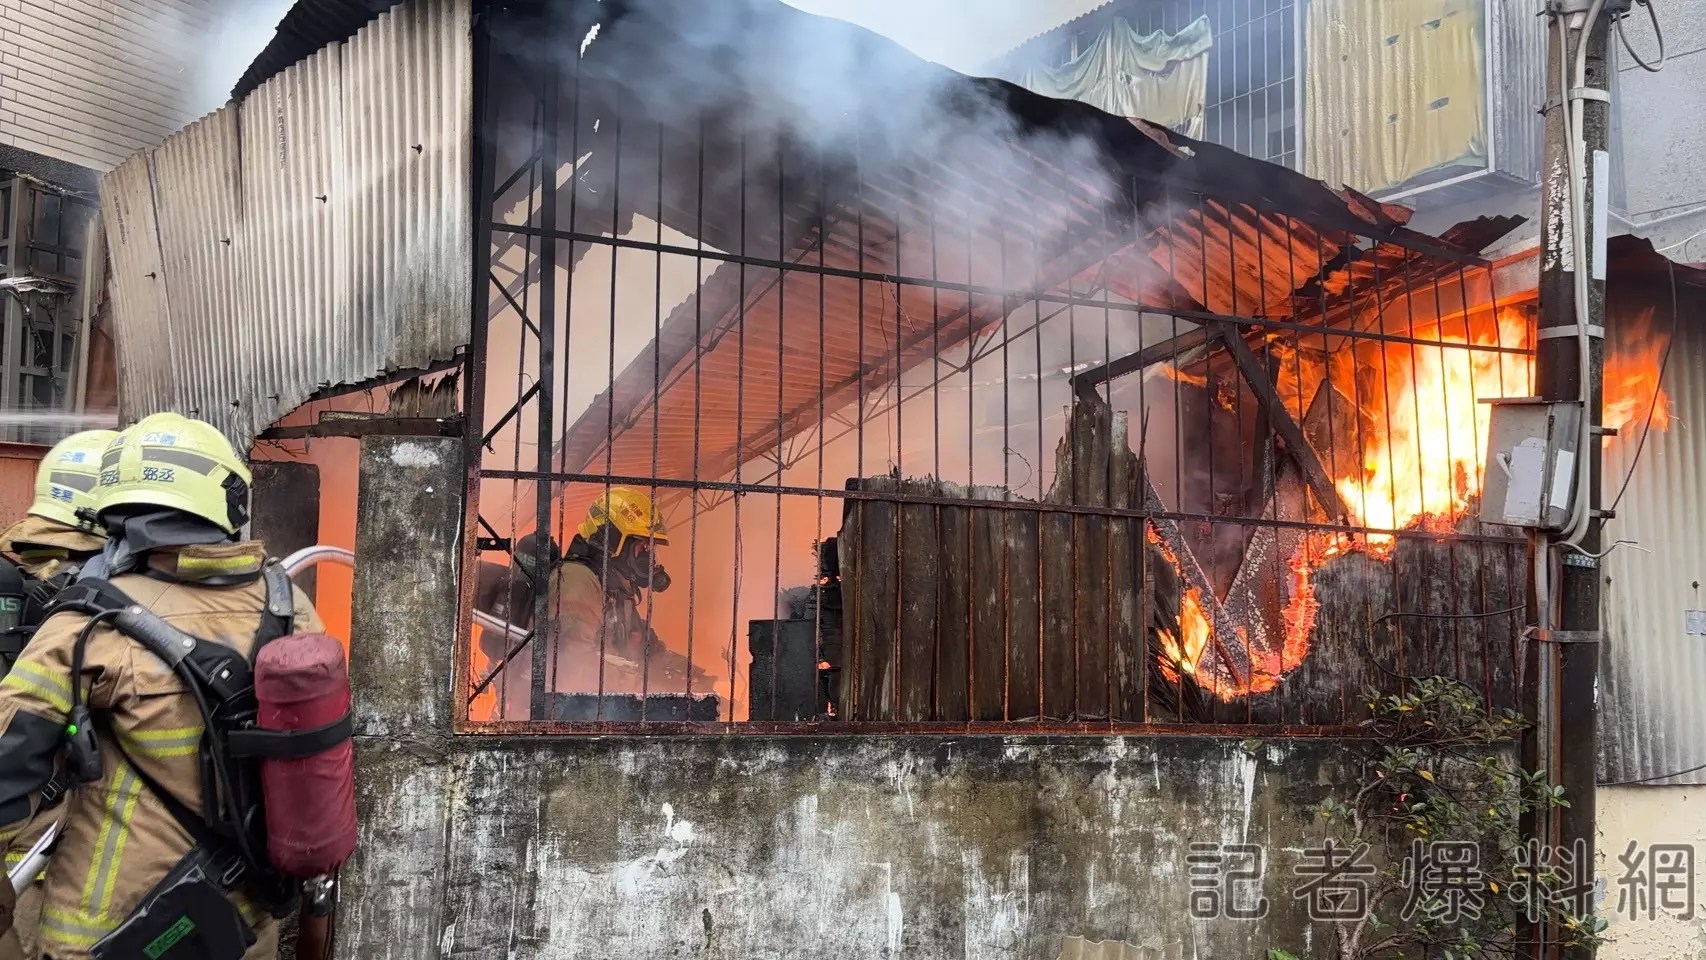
<point>308,26</point>
<point>716,378</point>
<point>317,233</point>
<point>1654,710</point>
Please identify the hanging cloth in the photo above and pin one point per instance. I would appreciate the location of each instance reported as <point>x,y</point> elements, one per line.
<point>1159,77</point>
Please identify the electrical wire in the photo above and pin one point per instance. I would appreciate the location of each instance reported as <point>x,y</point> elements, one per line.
<point>1658,391</point>
<point>1427,616</point>
<point>1685,240</point>
<point>1652,15</point>
<point>1662,776</point>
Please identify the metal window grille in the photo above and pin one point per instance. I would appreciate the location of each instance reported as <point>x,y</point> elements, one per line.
<point>972,434</point>
<point>41,235</point>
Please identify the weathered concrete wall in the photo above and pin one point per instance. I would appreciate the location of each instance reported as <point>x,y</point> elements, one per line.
<point>889,847</point>
<point>1647,815</point>
<point>407,546</point>
<point>766,847</point>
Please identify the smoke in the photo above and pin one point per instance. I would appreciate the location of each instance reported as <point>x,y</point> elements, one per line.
<point>964,35</point>
<point>758,101</point>
<point>239,32</point>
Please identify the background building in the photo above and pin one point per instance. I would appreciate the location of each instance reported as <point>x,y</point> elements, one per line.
<point>83,84</point>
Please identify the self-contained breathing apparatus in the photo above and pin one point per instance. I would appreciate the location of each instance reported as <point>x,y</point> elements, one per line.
<point>277,796</point>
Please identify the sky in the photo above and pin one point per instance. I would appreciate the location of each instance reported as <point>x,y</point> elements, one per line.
<point>961,34</point>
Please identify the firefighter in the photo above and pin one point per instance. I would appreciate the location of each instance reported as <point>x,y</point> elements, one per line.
<point>172,496</point>
<point>51,540</point>
<point>50,545</point>
<point>598,591</point>
<point>507,592</point>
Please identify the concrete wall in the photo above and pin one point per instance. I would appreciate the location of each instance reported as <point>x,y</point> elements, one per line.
<point>90,82</point>
<point>1662,122</point>
<point>765,847</point>
<point>1648,815</point>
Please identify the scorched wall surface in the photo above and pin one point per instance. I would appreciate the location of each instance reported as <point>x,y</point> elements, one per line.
<point>849,847</point>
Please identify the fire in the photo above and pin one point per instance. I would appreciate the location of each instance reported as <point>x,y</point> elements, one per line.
<point>1196,630</point>
<point>1632,380</point>
<point>1425,466</point>
<point>1172,372</point>
<point>1422,445</point>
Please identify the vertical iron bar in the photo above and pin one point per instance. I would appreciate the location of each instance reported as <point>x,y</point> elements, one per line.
<point>657,392</point>
<point>698,409</point>
<point>483,174</point>
<point>740,427</point>
<point>610,373</point>
<point>544,630</point>
<point>781,374</point>
<point>1391,460</point>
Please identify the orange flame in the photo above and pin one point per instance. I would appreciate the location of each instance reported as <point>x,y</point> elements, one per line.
<point>1632,380</point>
<point>1425,465</point>
<point>1422,446</point>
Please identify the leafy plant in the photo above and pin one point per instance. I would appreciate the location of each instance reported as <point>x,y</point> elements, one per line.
<point>1444,776</point>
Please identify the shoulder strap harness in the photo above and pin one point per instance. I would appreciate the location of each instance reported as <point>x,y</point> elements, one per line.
<point>221,680</point>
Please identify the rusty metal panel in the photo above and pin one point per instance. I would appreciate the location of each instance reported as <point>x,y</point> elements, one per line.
<point>314,235</point>
<point>1655,652</point>
<point>200,254</point>
<point>142,335</point>
<point>292,162</point>
<point>408,83</point>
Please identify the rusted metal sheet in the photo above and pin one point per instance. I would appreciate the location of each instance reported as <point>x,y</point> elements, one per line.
<point>142,331</point>
<point>201,252</point>
<point>313,235</point>
<point>1655,591</point>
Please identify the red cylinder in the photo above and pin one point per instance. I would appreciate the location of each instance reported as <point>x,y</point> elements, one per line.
<point>302,683</point>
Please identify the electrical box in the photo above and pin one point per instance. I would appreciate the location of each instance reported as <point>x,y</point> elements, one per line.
<point>1531,462</point>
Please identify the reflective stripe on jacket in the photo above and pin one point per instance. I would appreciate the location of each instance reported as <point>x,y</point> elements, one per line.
<point>118,839</point>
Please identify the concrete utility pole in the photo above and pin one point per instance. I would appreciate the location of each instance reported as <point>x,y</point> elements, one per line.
<point>1566,661</point>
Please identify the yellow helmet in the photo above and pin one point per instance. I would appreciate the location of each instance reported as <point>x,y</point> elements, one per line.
<point>630,513</point>
<point>65,482</point>
<point>169,460</point>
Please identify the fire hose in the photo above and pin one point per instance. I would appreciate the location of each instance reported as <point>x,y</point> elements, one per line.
<point>25,872</point>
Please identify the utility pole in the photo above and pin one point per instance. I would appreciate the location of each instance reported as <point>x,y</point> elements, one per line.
<point>1565,661</point>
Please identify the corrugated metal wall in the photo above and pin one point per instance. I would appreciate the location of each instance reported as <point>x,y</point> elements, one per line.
<point>1653,718</point>
<point>317,233</point>
<point>1516,86</point>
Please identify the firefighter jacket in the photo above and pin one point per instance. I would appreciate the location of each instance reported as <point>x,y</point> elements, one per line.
<point>44,547</point>
<point>118,839</point>
<point>593,618</point>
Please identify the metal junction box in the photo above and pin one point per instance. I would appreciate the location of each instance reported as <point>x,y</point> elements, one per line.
<point>1531,462</point>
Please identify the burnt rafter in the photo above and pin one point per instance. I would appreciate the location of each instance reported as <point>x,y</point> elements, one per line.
<point>1256,374</point>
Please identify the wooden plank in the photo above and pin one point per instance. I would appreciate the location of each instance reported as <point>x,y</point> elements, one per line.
<point>1126,660</point>
<point>955,611</point>
<point>867,539</point>
<point>1024,633</point>
<point>1092,458</point>
<point>918,571</point>
<point>990,566</point>
<point>368,427</point>
<point>1256,375</point>
<point>1148,356</point>
<point>1059,582</point>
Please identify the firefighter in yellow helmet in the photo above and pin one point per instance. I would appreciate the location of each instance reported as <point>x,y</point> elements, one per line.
<point>51,544</point>
<point>52,539</point>
<point>173,496</point>
<point>600,608</point>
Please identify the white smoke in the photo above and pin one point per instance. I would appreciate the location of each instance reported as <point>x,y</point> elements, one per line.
<point>240,31</point>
